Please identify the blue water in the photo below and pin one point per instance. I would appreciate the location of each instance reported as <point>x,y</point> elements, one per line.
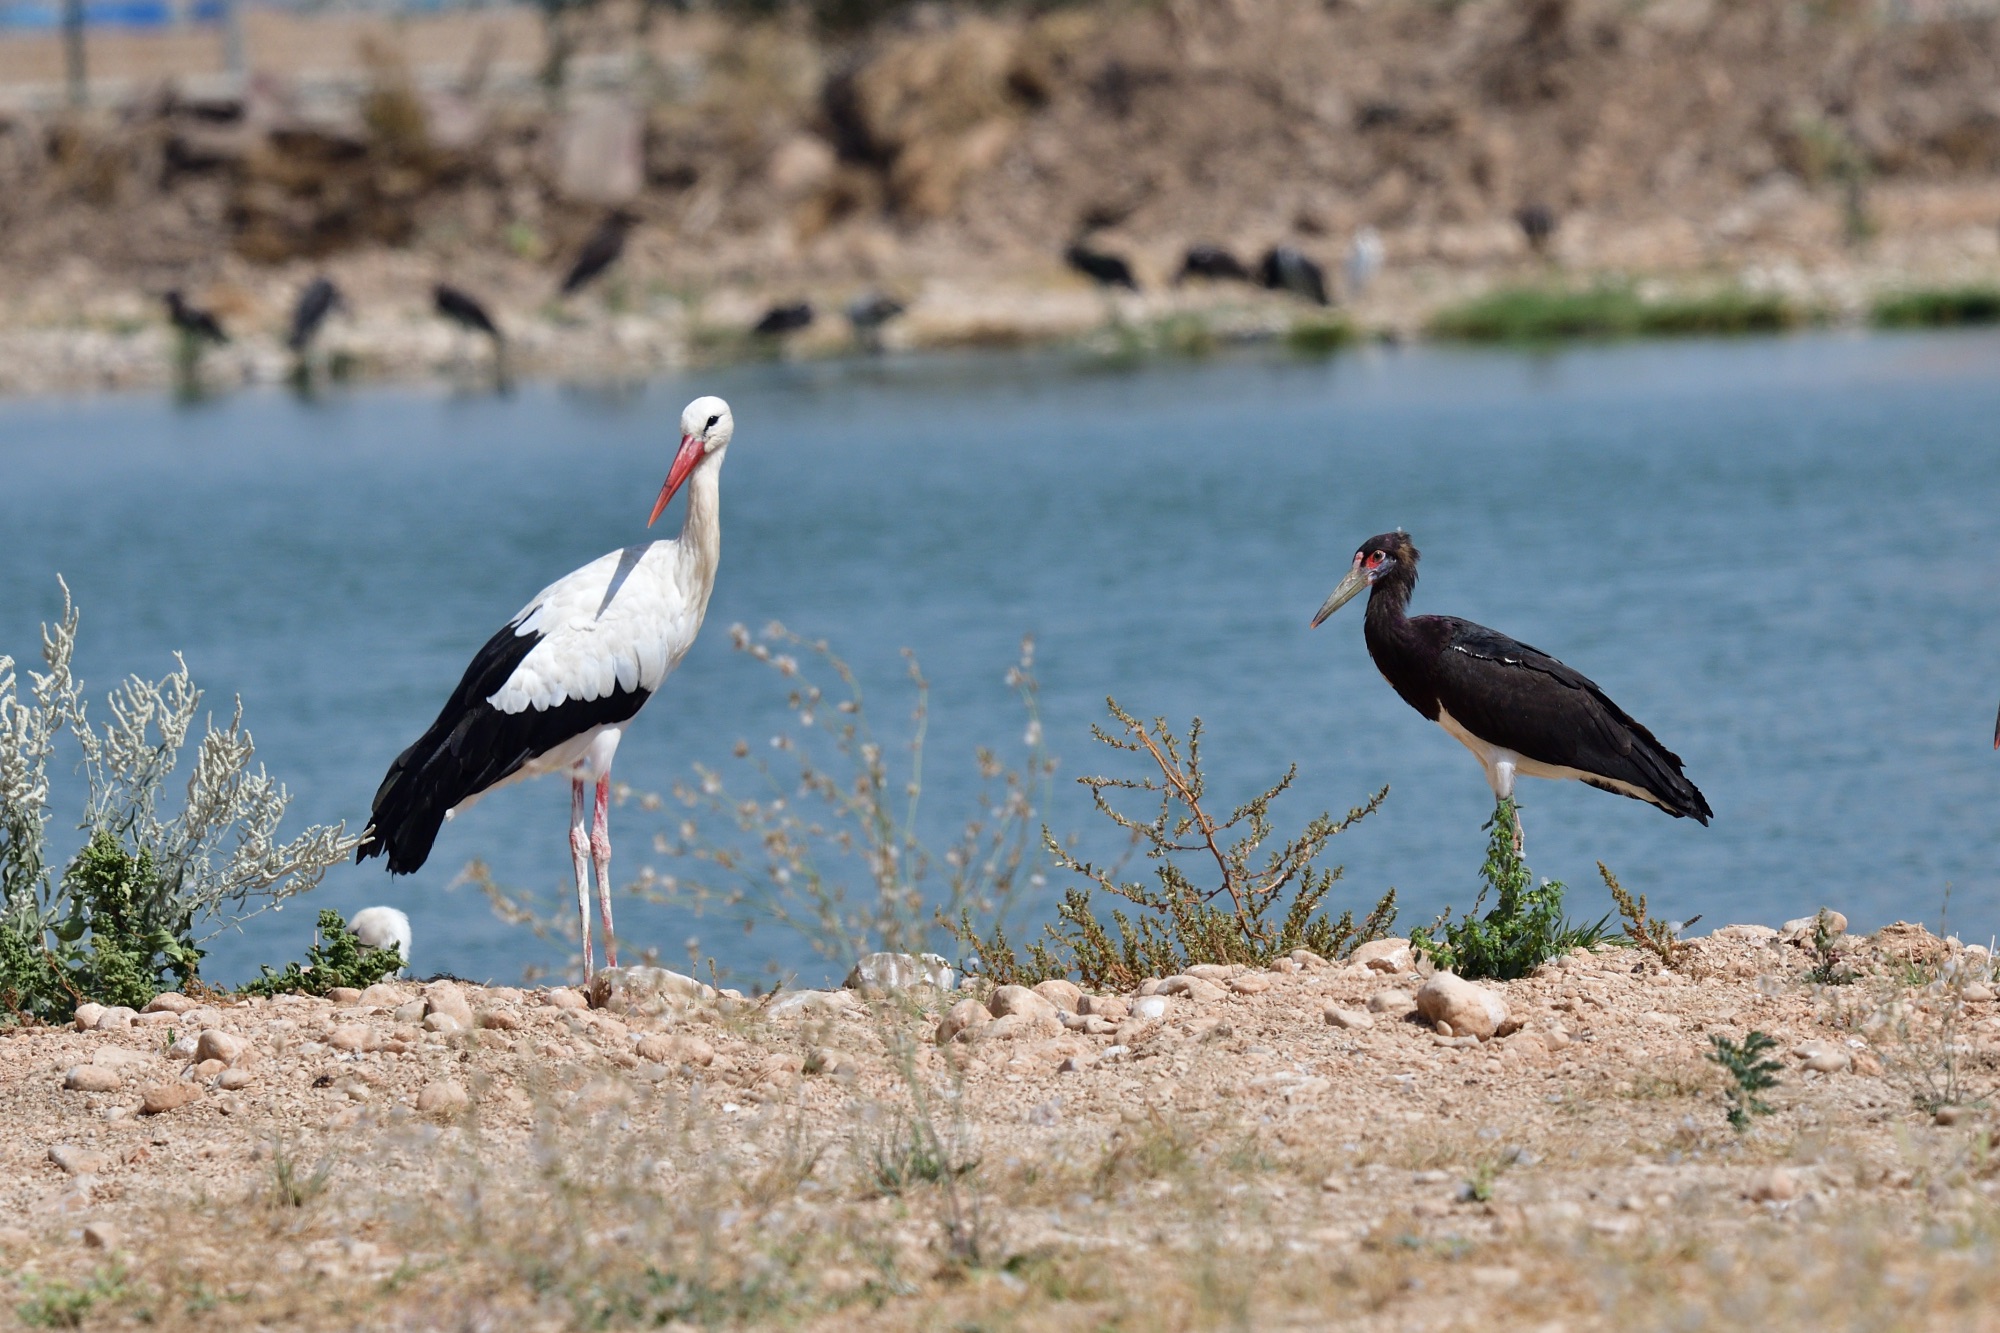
<point>1781,555</point>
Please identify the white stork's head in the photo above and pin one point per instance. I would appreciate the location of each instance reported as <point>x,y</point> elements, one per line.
<point>705,430</point>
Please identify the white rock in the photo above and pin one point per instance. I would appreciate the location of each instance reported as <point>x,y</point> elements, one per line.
<point>1391,1002</point>
<point>1251,983</point>
<point>1064,995</point>
<point>899,971</point>
<point>1019,1000</point>
<point>92,1078</point>
<point>215,1044</point>
<point>446,999</point>
<point>382,995</point>
<point>446,1097</point>
<point>168,1002</point>
<point>1348,1018</point>
<point>965,1015</point>
<point>115,1019</point>
<point>1389,955</point>
<point>1150,1007</point>
<point>1803,926</point>
<point>382,928</point>
<point>1825,1056</point>
<point>87,1016</point>
<point>442,1023</point>
<point>1471,1010</point>
<point>78,1161</point>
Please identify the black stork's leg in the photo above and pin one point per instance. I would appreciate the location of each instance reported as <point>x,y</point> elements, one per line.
<point>579,854</point>
<point>1500,775</point>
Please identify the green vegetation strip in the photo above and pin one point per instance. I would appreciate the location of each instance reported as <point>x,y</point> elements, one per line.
<point>1937,308</point>
<point>1540,315</point>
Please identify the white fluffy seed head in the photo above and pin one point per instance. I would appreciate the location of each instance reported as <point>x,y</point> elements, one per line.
<point>382,928</point>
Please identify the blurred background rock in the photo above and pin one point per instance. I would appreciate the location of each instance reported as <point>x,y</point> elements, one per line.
<point>944,158</point>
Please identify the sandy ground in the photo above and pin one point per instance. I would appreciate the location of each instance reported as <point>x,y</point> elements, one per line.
<point>1295,1147</point>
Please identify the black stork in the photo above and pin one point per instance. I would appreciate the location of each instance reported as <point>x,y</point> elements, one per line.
<point>196,325</point>
<point>319,299</point>
<point>464,310</point>
<point>600,252</point>
<point>1520,711</point>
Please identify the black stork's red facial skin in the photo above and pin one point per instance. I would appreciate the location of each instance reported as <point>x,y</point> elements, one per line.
<point>1378,558</point>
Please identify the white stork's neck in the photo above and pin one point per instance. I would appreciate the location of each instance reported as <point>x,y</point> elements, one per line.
<point>700,545</point>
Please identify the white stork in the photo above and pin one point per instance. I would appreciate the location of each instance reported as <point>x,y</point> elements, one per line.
<point>554,690</point>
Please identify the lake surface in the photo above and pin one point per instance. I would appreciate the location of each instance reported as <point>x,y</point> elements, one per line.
<point>1781,555</point>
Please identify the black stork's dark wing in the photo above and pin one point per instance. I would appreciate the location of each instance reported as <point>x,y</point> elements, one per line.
<point>1520,698</point>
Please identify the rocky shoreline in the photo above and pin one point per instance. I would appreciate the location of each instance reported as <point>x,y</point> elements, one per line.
<point>1555,1145</point>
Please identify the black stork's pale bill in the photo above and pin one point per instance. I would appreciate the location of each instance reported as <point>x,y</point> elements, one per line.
<point>1521,712</point>
<point>554,690</point>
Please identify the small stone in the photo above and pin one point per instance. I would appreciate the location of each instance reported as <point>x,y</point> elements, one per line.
<point>118,1057</point>
<point>102,1236</point>
<point>184,1046</point>
<point>446,1097</point>
<point>208,1069</point>
<point>382,995</point>
<point>442,1023</point>
<point>1348,1018</point>
<point>565,997</point>
<point>80,1161</point>
<point>445,997</point>
<point>1391,1002</point>
<point>831,1063</point>
<point>344,995</point>
<point>92,1078</point>
<point>1952,1115</point>
<point>351,1037</point>
<point>163,1097</point>
<point>1388,955</point>
<point>412,1011</point>
<point>964,1016</point>
<point>1977,991</point>
<point>500,1019</point>
<point>1199,989</point>
<point>1775,1186</point>
<point>1804,926</point>
<point>899,971</point>
<point>1066,996</point>
<point>1113,1007</point>
<point>115,1019</point>
<point>1309,960</point>
<point>1009,1000</point>
<point>1148,1007</point>
<point>674,1052</point>
<point>1250,983</point>
<point>1444,1028</point>
<point>215,1044</point>
<point>693,1051</point>
<point>234,1080</point>
<point>168,1002</point>
<point>87,1016</point>
<point>1150,986</point>
<point>1007,1027</point>
<point>1468,1008</point>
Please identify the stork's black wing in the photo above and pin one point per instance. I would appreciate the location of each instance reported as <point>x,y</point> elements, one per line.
<point>1511,695</point>
<point>473,746</point>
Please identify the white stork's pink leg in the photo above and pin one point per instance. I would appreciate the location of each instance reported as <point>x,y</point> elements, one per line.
<point>600,852</point>
<point>579,854</point>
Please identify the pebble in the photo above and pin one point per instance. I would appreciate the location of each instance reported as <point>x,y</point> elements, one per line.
<point>1388,955</point>
<point>1064,995</point>
<point>1112,1007</point>
<point>234,1080</point>
<point>102,1236</point>
<point>565,997</point>
<point>446,1097</point>
<point>1775,1186</point>
<point>87,1016</point>
<point>964,1016</point>
<point>1804,926</point>
<point>1391,1002</point>
<point>1952,1115</point>
<point>160,1098</point>
<point>412,1011</point>
<point>499,1019</point>
<point>118,1057</point>
<point>1007,1027</point>
<point>1469,1009</point>
<point>1825,1056</point>
<point>92,1078</point>
<point>1309,960</point>
<point>1251,983</point>
<point>184,1045</point>
<point>1978,992</point>
<point>351,1037</point>
<point>215,1044</point>
<point>344,995</point>
<point>382,995</point>
<point>445,998</point>
<point>442,1023</point>
<point>115,1019</point>
<point>1009,1001</point>
<point>168,1002</point>
<point>79,1161</point>
<point>1150,1007</point>
<point>1348,1018</point>
<point>1199,989</point>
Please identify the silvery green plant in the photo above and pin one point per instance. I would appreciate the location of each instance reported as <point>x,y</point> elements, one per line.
<point>213,863</point>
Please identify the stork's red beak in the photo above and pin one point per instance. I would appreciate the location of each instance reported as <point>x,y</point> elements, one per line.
<point>690,454</point>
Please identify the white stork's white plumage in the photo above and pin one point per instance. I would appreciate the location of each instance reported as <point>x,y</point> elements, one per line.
<point>554,690</point>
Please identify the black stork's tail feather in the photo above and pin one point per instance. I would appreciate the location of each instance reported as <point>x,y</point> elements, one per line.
<point>472,748</point>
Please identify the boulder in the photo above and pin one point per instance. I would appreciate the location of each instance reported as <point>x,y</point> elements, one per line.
<point>899,971</point>
<point>1469,1009</point>
<point>965,1016</point>
<point>1020,1000</point>
<point>1064,995</point>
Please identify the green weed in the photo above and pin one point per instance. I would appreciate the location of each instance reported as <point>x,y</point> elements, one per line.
<point>1937,308</point>
<point>1526,927</point>
<point>335,958</point>
<point>1750,1072</point>
<point>1539,315</point>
